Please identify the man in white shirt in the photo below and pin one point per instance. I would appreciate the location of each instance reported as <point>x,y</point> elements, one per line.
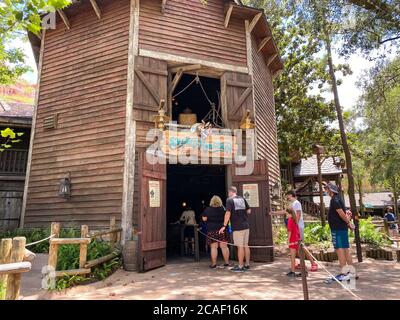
<point>296,206</point>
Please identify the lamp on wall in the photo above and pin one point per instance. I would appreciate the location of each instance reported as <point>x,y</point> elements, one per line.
<point>161,119</point>
<point>65,187</point>
<point>246,122</point>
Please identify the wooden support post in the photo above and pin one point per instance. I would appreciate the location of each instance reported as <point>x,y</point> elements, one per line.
<point>113,236</point>
<point>271,59</point>
<point>53,248</point>
<point>5,257</point>
<point>263,43</point>
<point>64,18</point>
<point>14,280</point>
<point>228,16</point>
<point>83,247</point>
<point>253,22</point>
<point>96,8</point>
<point>303,271</point>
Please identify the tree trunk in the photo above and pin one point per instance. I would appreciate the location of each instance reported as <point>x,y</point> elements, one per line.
<point>395,197</point>
<point>360,195</point>
<point>321,191</point>
<point>346,148</point>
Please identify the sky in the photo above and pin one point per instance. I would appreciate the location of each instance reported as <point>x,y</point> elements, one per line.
<point>348,90</point>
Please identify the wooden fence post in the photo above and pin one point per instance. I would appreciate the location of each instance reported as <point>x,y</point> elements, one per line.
<point>14,280</point>
<point>303,271</point>
<point>83,247</point>
<point>113,236</point>
<point>53,248</point>
<point>5,257</point>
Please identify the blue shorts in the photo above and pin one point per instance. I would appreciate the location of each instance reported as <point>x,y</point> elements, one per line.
<point>340,239</point>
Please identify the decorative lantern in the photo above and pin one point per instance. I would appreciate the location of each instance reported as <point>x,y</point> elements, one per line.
<point>161,119</point>
<point>65,187</point>
<point>246,122</point>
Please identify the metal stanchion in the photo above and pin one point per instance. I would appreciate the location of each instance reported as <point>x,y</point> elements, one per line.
<point>303,271</point>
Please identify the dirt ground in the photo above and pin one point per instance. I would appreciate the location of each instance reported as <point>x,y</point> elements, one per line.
<point>190,280</point>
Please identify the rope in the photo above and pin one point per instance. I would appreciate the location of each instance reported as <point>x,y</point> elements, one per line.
<point>333,277</point>
<point>235,245</point>
<point>36,242</point>
<point>205,94</point>
<point>184,89</point>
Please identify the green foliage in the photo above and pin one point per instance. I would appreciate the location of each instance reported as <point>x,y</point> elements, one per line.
<point>370,235</point>
<point>280,235</point>
<point>9,137</point>
<point>314,233</point>
<point>2,290</point>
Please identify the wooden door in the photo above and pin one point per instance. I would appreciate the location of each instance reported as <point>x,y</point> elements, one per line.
<point>152,217</point>
<point>237,97</point>
<point>260,220</point>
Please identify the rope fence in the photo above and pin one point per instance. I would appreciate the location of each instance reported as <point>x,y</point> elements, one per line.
<point>39,241</point>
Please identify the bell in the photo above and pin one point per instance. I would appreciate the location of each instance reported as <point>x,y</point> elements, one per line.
<point>246,122</point>
<point>161,119</point>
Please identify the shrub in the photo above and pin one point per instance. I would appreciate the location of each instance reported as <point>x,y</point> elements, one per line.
<point>369,233</point>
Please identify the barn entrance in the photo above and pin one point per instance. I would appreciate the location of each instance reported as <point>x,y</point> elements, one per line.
<point>190,186</point>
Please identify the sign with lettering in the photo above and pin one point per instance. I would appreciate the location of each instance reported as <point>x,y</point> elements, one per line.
<point>250,193</point>
<point>192,144</point>
<point>154,194</point>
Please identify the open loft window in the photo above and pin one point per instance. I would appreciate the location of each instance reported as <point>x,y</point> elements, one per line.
<point>197,99</point>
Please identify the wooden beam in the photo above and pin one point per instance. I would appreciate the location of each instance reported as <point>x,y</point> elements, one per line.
<point>272,58</point>
<point>16,267</point>
<point>69,240</point>
<point>263,43</point>
<point>72,272</point>
<point>254,21</point>
<point>187,60</point>
<point>248,47</point>
<point>175,82</point>
<point>64,18</point>
<point>228,16</point>
<point>163,4</point>
<point>130,127</point>
<point>186,68</point>
<point>96,8</point>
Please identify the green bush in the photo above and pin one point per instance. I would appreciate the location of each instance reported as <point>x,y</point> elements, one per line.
<point>370,235</point>
<point>314,233</point>
<point>280,235</point>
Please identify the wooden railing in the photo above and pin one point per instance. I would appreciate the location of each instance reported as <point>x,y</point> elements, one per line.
<point>13,161</point>
<point>14,260</point>
<point>310,208</point>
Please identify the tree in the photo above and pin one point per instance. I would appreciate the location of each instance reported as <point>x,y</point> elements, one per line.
<point>17,17</point>
<point>8,137</point>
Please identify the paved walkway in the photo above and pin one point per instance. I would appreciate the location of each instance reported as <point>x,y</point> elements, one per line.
<point>190,280</point>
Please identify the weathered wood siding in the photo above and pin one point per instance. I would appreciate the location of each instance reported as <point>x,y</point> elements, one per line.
<point>189,29</point>
<point>264,104</point>
<point>83,80</point>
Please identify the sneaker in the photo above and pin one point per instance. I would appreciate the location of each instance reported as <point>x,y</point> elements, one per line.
<point>223,266</point>
<point>246,267</point>
<point>212,266</point>
<point>238,269</point>
<point>343,277</point>
<point>292,274</point>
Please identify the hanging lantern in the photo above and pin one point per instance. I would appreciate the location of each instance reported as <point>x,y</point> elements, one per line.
<point>161,119</point>
<point>65,187</point>
<point>246,122</point>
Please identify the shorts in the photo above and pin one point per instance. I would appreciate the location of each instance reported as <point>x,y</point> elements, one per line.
<point>340,239</point>
<point>241,237</point>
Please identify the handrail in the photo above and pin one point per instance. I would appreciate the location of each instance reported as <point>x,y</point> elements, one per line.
<point>13,161</point>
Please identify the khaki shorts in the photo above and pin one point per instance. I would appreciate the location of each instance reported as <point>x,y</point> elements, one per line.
<point>241,237</point>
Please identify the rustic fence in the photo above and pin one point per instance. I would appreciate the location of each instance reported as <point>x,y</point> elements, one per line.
<point>85,266</point>
<point>14,260</point>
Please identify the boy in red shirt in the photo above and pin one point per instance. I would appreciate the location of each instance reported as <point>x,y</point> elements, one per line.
<point>293,239</point>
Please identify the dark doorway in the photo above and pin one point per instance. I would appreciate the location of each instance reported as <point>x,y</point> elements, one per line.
<point>200,95</point>
<point>190,185</point>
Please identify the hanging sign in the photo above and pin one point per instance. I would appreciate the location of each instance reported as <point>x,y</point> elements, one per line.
<point>185,142</point>
<point>154,194</point>
<point>250,193</point>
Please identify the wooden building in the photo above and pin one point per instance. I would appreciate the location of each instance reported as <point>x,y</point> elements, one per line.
<point>13,161</point>
<point>103,72</point>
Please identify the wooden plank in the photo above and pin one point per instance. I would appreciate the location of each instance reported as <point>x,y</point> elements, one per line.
<point>228,16</point>
<point>96,8</point>
<point>148,86</point>
<point>95,234</point>
<point>234,83</point>
<point>271,59</point>
<point>64,18</point>
<point>5,257</point>
<point>14,268</point>
<point>152,70</point>
<point>242,98</point>
<point>183,59</point>
<point>72,272</point>
<point>263,43</point>
<point>175,82</point>
<point>186,68</point>
<point>61,241</point>
<point>248,47</point>
<point>95,262</point>
<point>29,256</point>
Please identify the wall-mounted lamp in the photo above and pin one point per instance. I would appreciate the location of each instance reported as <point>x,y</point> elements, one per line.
<point>246,122</point>
<point>65,187</point>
